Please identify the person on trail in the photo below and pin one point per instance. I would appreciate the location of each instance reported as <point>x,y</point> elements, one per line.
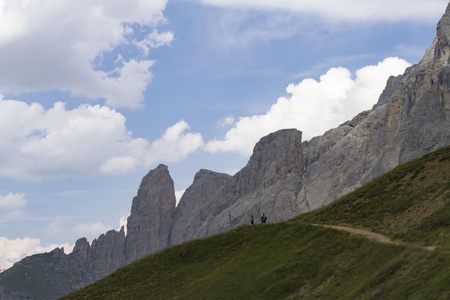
<point>263,219</point>
<point>252,220</point>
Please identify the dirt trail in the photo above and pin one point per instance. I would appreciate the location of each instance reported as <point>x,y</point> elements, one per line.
<point>369,234</point>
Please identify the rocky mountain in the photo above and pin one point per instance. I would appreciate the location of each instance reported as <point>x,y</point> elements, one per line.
<point>283,178</point>
<point>151,215</point>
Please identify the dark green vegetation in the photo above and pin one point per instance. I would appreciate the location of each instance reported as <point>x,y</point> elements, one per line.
<point>31,277</point>
<point>296,260</point>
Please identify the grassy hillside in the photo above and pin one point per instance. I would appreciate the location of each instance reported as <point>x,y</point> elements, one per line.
<point>410,203</point>
<point>298,260</point>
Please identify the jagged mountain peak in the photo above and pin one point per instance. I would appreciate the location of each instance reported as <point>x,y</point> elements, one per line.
<point>284,176</point>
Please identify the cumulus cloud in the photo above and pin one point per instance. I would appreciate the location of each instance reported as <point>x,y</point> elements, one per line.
<point>66,44</point>
<point>36,143</point>
<point>313,106</point>
<point>422,10</point>
<point>15,250</point>
<point>12,201</point>
<point>176,144</point>
<point>91,230</point>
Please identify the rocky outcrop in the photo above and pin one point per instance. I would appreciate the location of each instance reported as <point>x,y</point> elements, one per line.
<point>269,182</point>
<point>194,205</point>
<point>107,253</point>
<point>52,275</point>
<point>283,178</point>
<point>150,220</point>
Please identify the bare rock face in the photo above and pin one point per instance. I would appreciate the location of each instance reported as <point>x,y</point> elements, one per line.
<point>81,254</point>
<point>192,210</point>
<point>269,183</point>
<point>107,253</point>
<point>150,220</point>
<point>412,122</point>
<point>285,177</point>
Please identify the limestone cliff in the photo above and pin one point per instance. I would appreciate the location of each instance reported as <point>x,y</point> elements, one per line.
<point>194,205</point>
<point>269,182</point>
<point>150,220</point>
<point>283,178</point>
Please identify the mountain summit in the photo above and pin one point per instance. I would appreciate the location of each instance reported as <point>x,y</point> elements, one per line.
<point>284,177</point>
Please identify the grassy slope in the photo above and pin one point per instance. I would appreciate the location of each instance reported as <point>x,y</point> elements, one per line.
<point>297,260</point>
<point>411,203</point>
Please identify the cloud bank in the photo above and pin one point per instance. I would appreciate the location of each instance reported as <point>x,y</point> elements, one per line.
<point>12,201</point>
<point>11,207</point>
<point>36,144</point>
<point>95,49</point>
<point>242,24</point>
<point>15,250</point>
<point>313,106</point>
<point>345,10</point>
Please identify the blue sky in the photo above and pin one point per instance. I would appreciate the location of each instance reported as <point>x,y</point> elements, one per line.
<point>94,94</point>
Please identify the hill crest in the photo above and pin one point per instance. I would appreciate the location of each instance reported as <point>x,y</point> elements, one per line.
<point>284,177</point>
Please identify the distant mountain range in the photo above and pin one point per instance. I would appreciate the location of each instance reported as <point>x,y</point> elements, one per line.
<point>284,177</point>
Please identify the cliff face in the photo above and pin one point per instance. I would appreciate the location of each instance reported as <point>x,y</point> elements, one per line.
<point>283,178</point>
<point>413,121</point>
<point>52,275</point>
<point>194,205</point>
<point>150,220</point>
<point>268,183</point>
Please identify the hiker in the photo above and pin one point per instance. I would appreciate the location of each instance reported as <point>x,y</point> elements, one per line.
<point>252,220</point>
<point>263,219</point>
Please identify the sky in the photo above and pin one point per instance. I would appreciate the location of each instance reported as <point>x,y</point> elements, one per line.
<point>94,94</point>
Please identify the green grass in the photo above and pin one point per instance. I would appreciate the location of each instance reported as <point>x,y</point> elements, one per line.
<point>296,260</point>
<point>412,202</point>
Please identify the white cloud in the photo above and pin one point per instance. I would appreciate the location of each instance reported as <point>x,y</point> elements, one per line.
<point>241,24</point>
<point>178,195</point>
<point>13,216</point>
<point>123,223</point>
<point>226,121</point>
<point>15,250</point>
<point>11,207</point>
<point>57,226</point>
<point>12,201</point>
<point>91,230</point>
<point>231,29</point>
<point>61,226</point>
<point>36,143</point>
<point>345,10</point>
<point>52,44</point>
<point>313,106</point>
<point>154,40</point>
<point>174,145</point>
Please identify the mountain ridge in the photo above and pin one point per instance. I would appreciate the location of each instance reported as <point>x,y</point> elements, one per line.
<point>310,257</point>
<point>283,178</point>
